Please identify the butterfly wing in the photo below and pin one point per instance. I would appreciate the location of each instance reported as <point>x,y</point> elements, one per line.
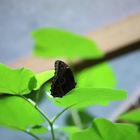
<point>63,80</point>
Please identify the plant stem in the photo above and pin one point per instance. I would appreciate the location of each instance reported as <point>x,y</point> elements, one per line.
<point>31,134</point>
<point>43,114</point>
<point>52,131</point>
<point>37,96</point>
<point>48,120</point>
<point>59,114</point>
<point>76,118</point>
<point>38,109</point>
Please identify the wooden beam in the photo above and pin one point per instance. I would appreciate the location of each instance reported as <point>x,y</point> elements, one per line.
<point>119,34</point>
<point>110,38</point>
<point>35,64</point>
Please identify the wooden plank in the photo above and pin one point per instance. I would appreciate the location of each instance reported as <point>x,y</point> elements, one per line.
<point>119,34</point>
<point>36,64</point>
<point>109,38</point>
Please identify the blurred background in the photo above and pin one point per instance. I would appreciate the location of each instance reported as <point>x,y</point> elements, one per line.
<point>19,18</point>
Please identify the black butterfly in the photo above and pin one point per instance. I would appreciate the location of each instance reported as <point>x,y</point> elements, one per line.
<point>63,80</point>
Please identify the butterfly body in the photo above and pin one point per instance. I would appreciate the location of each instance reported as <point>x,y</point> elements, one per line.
<point>63,80</point>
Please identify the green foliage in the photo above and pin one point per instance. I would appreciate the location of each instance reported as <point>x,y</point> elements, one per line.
<point>100,76</point>
<point>84,97</point>
<point>105,130</point>
<point>43,77</point>
<point>21,81</point>
<point>132,116</point>
<point>53,42</point>
<point>18,113</point>
<point>70,130</point>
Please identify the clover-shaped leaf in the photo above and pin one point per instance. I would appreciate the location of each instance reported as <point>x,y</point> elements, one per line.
<point>53,42</point>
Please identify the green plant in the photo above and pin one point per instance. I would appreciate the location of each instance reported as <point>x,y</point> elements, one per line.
<point>132,116</point>
<point>19,112</point>
<point>14,84</point>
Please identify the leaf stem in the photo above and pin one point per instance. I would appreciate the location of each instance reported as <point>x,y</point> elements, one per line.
<point>52,131</point>
<point>31,134</point>
<point>51,122</point>
<point>37,96</point>
<point>48,120</point>
<point>76,118</point>
<point>43,114</point>
<point>59,114</point>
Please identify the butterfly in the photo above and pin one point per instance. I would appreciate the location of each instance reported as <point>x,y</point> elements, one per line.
<point>63,80</point>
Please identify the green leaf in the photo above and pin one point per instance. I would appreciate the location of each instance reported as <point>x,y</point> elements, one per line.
<point>38,129</point>
<point>132,116</point>
<point>105,130</point>
<point>43,77</point>
<point>101,76</point>
<point>127,132</point>
<point>84,97</point>
<point>53,42</point>
<point>17,113</point>
<point>70,130</point>
<point>85,134</point>
<point>19,81</point>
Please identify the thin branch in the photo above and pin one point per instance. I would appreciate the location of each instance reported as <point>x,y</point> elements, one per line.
<point>52,131</point>
<point>31,134</point>
<point>59,114</point>
<point>108,56</point>
<point>38,109</point>
<point>76,118</point>
<point>43,114</point>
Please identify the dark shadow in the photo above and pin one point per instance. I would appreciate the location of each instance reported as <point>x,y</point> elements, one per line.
<point>109,56</point>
